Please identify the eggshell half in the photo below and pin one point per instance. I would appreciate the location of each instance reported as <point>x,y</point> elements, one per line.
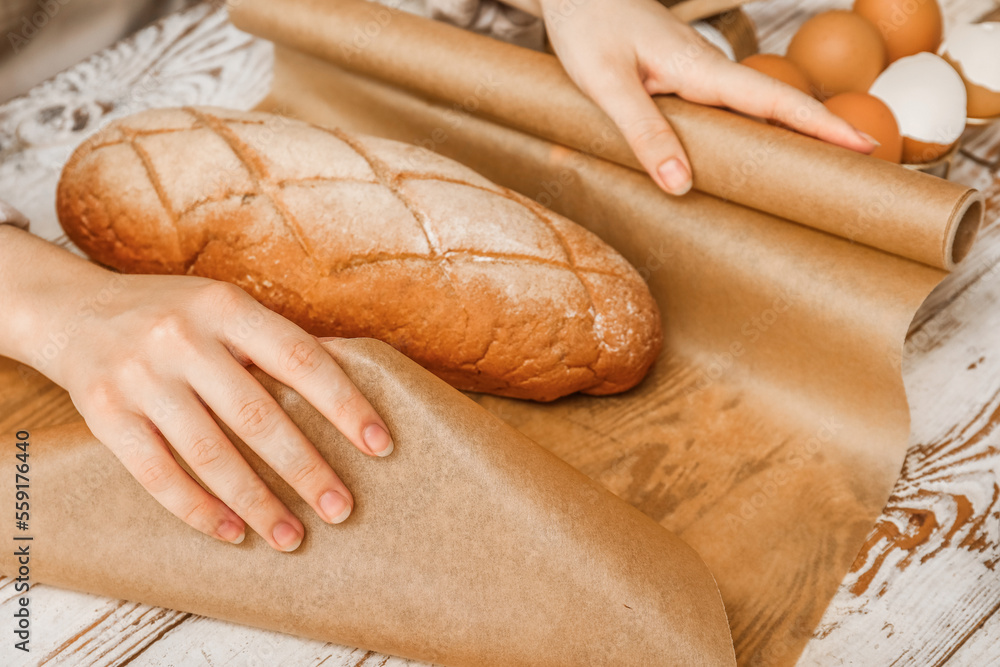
<point>974,51</point>
<point>927,97</point>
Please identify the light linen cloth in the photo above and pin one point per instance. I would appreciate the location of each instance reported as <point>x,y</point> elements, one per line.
<point>490,17</point>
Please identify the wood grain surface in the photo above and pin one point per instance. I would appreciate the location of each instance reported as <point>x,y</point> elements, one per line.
<point>924,590</point>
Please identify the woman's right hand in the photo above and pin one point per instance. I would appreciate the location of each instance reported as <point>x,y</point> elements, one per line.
<point>146,364</point>
<point>169,348</point>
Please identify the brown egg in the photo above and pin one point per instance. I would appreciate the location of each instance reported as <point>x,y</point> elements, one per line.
<point>780,68</point>
<point>923,152</point>
<point>839,51</point>
<point>870,114</point>
<point>908,26</point>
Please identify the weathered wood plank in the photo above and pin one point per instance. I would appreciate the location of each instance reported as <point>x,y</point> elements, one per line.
<point>925,590</point>
<point>78,629</point>
<point>980,647</point>
<point>926,580</point>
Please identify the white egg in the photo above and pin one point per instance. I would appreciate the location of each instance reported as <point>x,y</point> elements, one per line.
<point>928,98</point>
<point>715,38</point>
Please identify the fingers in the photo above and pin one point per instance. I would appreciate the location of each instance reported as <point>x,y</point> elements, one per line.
<point>212,457</point>
<point>290,355</point>
<point>253,414</point>
<point>747,90</point>
<point>626,101</point>
<point>138,445</point>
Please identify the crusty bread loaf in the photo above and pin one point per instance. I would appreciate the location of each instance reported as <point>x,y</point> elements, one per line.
<point>349,235</point>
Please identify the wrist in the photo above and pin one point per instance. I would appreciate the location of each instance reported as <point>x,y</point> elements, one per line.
<point>47,294</point>
<point>70,320</point>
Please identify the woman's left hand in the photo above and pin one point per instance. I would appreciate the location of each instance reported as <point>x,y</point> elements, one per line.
<point>620,52</point>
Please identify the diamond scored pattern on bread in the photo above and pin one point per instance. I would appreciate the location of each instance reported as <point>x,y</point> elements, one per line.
<point>351,235</point>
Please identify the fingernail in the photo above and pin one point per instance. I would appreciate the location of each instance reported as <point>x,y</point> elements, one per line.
<point>335,506</point>
<point>675,176</point>
<point>377,440</point>
<point>869,138</point>
<point>231,532</point>
<point>286,537</point>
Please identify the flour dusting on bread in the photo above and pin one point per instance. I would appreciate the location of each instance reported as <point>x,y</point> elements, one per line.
<point>349,235</point>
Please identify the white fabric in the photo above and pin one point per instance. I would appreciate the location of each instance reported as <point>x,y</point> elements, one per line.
<point>490,17</point>
<point>11,216</point>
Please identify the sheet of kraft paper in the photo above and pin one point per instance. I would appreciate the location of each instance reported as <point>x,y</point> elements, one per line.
<point>470,545</point>
<point>773,427</point>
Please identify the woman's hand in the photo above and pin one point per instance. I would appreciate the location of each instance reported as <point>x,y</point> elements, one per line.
<point>619,52</point>
<point>145,358</point>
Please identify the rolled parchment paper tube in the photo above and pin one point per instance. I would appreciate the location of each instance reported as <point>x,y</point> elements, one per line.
<point>764,167</point>
<point>470,545</point>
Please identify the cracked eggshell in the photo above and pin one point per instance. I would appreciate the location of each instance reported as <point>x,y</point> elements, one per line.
<point>974,50</point>
<point>928,98</point>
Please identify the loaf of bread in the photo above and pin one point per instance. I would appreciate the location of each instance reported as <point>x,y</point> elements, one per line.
<point>355,236</point>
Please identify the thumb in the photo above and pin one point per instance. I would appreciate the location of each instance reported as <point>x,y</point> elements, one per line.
<point>650,136</point>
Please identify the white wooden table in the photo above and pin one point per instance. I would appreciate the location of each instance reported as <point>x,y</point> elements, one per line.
<point>925,590</point>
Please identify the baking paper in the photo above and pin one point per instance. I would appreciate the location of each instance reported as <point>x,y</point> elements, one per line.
<point>469,545</point>
<point>772,428</point>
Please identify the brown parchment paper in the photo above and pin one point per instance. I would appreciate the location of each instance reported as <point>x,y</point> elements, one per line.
<point>772,428</point>
<point>470,545</point>
<point>791,176</point>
